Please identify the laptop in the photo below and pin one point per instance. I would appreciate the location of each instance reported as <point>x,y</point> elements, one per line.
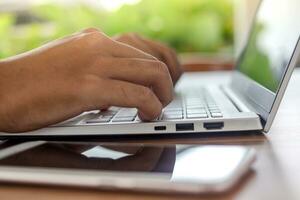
<point>249,102</point>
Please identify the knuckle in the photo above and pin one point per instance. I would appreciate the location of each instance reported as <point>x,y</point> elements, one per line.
<point>162,68</point>
<point>90,30</point>
<point>120,38</point>
<point>145,95</point>
<point>96,38</point>
<point>125,35</point>
<point>126,38</point>
<point>132,35</point>
<point>131,62</point>
<point>124,93</point>
<point>162,71</point>
<point>128,35</point>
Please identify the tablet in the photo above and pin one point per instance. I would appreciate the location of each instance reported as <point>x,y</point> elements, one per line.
<point>135,167</point>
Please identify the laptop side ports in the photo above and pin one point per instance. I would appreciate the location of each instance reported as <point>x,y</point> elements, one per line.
<point>213,125</point>
<point>185,127</point>
<point>160,128</point>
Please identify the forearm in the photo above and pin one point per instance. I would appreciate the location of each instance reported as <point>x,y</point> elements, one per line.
<point>1,63</point>
<point>3,115</point>
<point>13,94</point>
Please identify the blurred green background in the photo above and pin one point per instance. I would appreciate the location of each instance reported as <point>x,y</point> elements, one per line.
<point>186,25</point>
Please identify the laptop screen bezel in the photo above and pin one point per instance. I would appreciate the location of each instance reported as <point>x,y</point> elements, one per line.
<point>260,99</point>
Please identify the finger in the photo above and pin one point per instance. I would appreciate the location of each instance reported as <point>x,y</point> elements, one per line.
<point>115,48</point>
<point>169,57</point>
<point>104,45</point>
<point>157,50</point>
<point>148,73</point>
<point>132,40</point>
<point>122,50</point>
<point>97,93</point>
<point>90,30</point>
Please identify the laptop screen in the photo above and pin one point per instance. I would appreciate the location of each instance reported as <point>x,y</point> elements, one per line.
<point>272,41</point>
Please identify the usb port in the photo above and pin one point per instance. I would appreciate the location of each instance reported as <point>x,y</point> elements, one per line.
<point>185,127</point>
<point>213,125</point>
<point>160,128</point>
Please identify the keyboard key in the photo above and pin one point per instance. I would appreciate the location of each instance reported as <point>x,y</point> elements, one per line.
<point>216,115</point>
<point>175,104</point>
<point>99,120</point>
<point>173,112</point>
<point>213,107</point>
<point>193,116</point>
<point>193,100</point>
<point>127,112</point>
<point>215,111</point>
<point>123,119</point>
<point>137,119</point>
<point>108,113</point>
<point>194,104</point>
<point>196,111</point>
<point>170,117</point>
<point>200,106</point>
<point>173,109</point>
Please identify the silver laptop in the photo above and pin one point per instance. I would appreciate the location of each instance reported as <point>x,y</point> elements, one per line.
<point>249,102</point>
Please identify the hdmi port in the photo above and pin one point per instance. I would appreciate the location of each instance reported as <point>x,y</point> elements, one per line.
<point>213,125</point>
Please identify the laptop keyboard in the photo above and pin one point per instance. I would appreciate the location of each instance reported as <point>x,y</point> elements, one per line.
<point>188,107</point>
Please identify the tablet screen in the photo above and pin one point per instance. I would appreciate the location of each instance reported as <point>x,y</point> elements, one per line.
<point>191,163</point>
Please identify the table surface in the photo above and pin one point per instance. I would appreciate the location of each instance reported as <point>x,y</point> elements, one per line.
<point>276,172</point>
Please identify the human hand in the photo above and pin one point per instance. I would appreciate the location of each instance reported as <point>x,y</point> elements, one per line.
<point>82,72</point>
<point>156,49</point>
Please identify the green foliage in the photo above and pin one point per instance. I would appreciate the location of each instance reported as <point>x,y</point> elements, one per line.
<point>6,21</point>
<point>188,26</point>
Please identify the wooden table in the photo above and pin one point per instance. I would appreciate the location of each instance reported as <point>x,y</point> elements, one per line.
<point>276,172</point>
